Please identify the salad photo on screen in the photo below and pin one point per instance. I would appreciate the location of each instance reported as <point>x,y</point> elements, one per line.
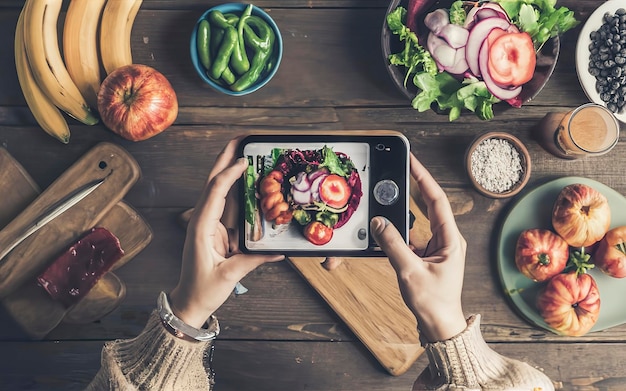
<point>301,197</point>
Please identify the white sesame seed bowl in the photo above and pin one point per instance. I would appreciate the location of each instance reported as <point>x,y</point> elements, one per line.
<point>498,164</point>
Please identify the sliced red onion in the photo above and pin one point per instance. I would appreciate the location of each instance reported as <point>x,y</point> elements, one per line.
<point>497,91</point>
<point>455,35</point>
<point>301,197</point>
<point>498,8</point>
<point>473,14</point>
<point>441,51</point>
<point>460,63</point>
<point>484,13</point>
<point>314,174</point>
<point>436,20</point>
<point>315,184</point>
<point>476,37</point>
<point>301,182</point>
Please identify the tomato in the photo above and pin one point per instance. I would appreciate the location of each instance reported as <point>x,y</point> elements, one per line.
<point>540,254</point>
<point>570,303</point>
<point>512,57</point>
<point>610,256</point>
<point>581,215</point>
<point>318,233</point>
<point>334,191</point>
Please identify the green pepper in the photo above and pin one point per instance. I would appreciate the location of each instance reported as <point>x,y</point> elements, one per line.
<point>262,45</point>
<point>217,34</point>
<point>218,19</point>
<point>265,37</point>
<point>202,43</point>
<point>228,76</point>
<point>222,58</point>
<point>239,60</point>
<point>232,19</point>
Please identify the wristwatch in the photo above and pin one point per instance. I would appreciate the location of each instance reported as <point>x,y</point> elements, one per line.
<point>182,329</point>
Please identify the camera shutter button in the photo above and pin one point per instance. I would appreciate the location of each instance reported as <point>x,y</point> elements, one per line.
<point>386,192</point>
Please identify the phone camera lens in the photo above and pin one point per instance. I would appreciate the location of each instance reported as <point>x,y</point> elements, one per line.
<point>380,147</point>
<point>386,192</point>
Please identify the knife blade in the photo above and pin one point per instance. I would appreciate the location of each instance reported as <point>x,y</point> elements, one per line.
<point>52,213</point>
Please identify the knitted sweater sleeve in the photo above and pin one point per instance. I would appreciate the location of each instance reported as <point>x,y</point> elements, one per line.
<point>465,362</point>
<point>154,360</point>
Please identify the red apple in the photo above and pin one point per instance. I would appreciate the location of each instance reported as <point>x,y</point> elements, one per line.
<point>581,215</point>
<point>137,102</point>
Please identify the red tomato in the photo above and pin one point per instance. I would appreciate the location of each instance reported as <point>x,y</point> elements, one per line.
<point>570,303</point>
<point>540,254</point>
<point>318,233</point>
<point>334,191</point>
<point>512,58</point>
<point>610,256</point>
<point>581,215</point>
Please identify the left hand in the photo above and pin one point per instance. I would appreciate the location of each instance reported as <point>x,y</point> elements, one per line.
<point>212,264</point>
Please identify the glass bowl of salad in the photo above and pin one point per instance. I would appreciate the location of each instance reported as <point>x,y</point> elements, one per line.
<point>467,56</point>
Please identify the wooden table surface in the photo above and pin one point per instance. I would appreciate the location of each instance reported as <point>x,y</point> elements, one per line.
<point>281,335</point>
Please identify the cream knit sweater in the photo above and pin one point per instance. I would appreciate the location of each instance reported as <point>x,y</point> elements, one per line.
<point>157,360</point>
<point>466,363</point>
<point>154,360</point>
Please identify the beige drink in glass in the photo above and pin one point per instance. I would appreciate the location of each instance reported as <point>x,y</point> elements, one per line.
<point>588,130</point>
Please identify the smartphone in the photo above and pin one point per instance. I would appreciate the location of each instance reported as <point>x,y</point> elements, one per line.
<point>314,194</point>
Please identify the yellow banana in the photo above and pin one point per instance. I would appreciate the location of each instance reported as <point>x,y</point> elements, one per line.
<point>44,56</point>
<point>48,116</point>
<point>80,46</point>
<point>115,33</point>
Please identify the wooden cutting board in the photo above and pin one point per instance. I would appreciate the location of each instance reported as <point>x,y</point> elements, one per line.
<point>28,304</point>
<point>364,293</point>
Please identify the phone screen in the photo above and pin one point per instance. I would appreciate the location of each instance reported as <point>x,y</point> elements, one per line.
<point>302,197</point>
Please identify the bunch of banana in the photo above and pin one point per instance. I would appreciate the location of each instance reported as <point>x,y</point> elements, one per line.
<point>115,32</point>
<point>44,110</point>
<point>80,49</point>
<point>53,83</point>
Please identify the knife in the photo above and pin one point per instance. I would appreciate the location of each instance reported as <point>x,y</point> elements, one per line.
<point>56,210</point>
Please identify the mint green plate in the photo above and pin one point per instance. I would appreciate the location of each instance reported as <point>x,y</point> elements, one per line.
<point>534,210</point>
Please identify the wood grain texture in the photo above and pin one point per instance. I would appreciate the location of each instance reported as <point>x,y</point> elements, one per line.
<point>364,293</point>
<point>282,334</point>
<point>106,160</point>
<point>28,304</point>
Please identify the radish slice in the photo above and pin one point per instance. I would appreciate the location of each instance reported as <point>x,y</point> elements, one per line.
<point>476,37</point>
<point>497,91</point>
<point>436,20</point>
<point>456,36</point>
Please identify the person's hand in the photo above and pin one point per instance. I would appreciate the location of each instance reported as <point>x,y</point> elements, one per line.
<point>430,284</point>
<point>212,264</point>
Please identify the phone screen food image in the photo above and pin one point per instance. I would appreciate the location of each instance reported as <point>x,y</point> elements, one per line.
<point>306,197</point>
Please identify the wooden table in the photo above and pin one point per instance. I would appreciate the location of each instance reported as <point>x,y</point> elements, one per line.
<point>281,335</point>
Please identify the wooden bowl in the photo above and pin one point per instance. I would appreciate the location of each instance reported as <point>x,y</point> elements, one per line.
<point>473,168</point>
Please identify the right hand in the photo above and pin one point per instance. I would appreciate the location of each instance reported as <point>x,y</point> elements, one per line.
<point>430,284</point>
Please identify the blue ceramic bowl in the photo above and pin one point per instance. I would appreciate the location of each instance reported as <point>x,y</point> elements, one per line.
<point>266,76</point>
